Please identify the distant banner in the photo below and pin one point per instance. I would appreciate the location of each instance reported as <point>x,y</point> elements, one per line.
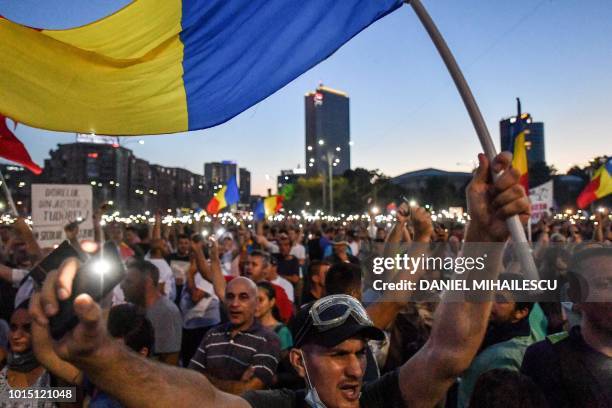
<point>541,198</point>
<point>56,205</point>
<point>97,139</point>
<point>455,212</point>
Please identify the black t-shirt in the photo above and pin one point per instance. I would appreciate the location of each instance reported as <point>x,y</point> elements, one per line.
<point>314,249</point>
<point>569,372</point>
<point>287,267</point>
<point>308,297</point>
<point>382,393</point>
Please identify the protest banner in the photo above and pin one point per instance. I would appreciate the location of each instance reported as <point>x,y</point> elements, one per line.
<point>55,205</point>
<point>541,198</point>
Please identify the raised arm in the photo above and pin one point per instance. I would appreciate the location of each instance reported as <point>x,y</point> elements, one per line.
<point>196,294</point>
<point>156,233</point>
<point>459,326</point>
<point>218,280</point>
<point>261,239</point>
<point>127,376</point>
<point>45,354</point>
<point>384,311</point>
<point>25,232</point>
<point>598,230</point>
<point>397,233</point>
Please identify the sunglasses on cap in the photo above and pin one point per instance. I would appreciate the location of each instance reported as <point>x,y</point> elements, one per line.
<point>333,311</point>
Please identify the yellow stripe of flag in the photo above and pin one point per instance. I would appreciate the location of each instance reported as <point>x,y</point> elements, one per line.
<point>48,83</point>
<point>131,32</point>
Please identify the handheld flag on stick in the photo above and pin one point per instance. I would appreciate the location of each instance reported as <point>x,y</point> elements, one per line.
<point>268,206</point>
<point>170,66</point>
<point>13,150</point>
<point>273,204</point>
<point>519,159</point>
<point>260,211</point>
<point>599,186</point>
<point>228,195</point>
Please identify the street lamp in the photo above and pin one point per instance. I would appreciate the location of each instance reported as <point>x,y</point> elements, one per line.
<point>332,161</point>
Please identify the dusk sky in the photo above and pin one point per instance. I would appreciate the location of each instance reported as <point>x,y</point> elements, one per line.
<point>556,55</point>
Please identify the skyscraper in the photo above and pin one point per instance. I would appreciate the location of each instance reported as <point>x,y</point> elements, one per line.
<point>289,177</point>
<point>534,140</point>
<point>245,185</point>
<point>327,131</point>
<point>220,172</point>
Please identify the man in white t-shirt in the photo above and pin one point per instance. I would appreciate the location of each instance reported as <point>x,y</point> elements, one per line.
<point>354,241</point>
<point>167,283</point>
<point>275,278</point>
<point>297,249</point>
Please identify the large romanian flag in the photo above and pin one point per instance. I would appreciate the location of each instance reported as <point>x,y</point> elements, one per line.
<point>519,159</point>
<point>228,195</point>
<point>164,66</point>
<point>599,186</point>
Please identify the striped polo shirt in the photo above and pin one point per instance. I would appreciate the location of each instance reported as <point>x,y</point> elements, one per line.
<point>226,358</point>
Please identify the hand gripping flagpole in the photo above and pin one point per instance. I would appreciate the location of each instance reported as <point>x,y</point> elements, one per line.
<point>514,224</point>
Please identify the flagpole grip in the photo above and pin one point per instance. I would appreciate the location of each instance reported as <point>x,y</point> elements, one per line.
<point>514,224</point>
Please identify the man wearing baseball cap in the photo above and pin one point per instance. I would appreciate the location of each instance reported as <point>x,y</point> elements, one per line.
<point>330,353</point>
<point>330,344</point>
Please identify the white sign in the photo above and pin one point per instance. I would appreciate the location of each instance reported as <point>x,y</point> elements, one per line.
<point>97,139</point>
<point>541,198</point>
<point>456,212</point>
<point>56,205</point>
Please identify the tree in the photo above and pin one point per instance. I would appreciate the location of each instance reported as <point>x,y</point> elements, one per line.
<point>539,173</point>
<point>354,192</point>
<point>578,172</point>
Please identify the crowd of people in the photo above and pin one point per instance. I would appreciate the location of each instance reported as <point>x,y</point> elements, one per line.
<point>277,315</point>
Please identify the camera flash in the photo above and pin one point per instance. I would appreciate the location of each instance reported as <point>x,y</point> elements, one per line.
<point>101,266</point>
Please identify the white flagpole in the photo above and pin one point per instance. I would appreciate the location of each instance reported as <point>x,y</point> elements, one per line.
<point>529,230</point>
<point>514,223</point>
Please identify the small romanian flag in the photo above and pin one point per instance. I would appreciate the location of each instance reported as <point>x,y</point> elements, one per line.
<point>268,206</point>
<point>599,186</point>
<point>228,195</point>
<point>519,159</point>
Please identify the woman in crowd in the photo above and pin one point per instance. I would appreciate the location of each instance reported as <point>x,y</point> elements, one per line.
<point>268,315</point>
<point>126,322</point>
<point>22,370</point>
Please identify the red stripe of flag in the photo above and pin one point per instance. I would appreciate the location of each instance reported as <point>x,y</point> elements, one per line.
<point>587,196</point>
<point>213,206</point>
<point>13,150</point>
